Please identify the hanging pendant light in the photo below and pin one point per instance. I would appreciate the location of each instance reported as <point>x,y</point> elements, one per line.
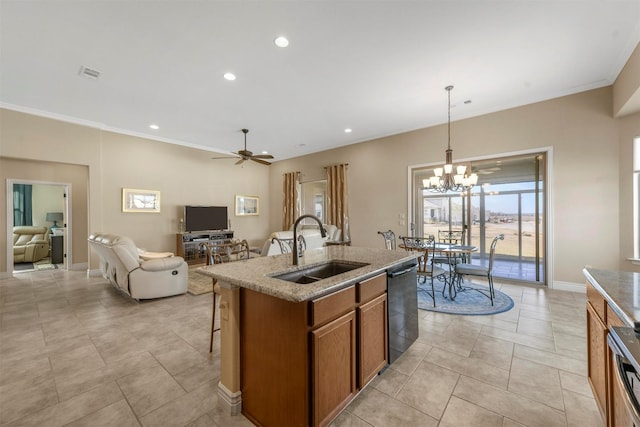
<point>444,179</point>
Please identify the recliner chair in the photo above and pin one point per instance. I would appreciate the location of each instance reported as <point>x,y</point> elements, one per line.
<point>30,243</point>
<point>121,264</point>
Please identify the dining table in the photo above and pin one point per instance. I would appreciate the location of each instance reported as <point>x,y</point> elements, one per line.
<point>450,250</point>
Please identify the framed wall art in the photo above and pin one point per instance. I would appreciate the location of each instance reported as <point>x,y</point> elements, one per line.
<point>136,200</point>
<point>247,205</point>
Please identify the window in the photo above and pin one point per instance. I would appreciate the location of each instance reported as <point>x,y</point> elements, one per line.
<point>314,196</point>
<point>509,199</point>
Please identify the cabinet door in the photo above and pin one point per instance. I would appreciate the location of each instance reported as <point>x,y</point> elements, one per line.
<point>619,414</point>
<point>333,367</point>
<point>372,324</point>
<point>597,351</point>
<point>617,411</point>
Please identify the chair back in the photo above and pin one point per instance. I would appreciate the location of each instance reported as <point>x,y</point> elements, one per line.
<point>223,252</point>
<point>454,237</point>
<point>417,243</point>
<point>389,239</point>
<point>286,245</point>
<point>492,251</point>
<point>428,246</point>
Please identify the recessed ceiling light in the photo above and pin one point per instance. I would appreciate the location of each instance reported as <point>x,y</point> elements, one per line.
<point>347,130</point>
<point>229,76</point>
<point>281,41</point>
<point>154,127</point>
<point>468,101</point>
<point>265,152</point>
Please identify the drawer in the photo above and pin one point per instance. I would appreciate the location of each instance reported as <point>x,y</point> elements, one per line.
<point>370,288</point>
<point>331,306</point>
<point>597,302</point>
<point>613,319</point>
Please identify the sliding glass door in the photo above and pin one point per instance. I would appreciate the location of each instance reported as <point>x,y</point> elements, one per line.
<point>509,199</point>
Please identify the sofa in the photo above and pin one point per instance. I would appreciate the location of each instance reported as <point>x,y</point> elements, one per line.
<point>139,277</point>
<point>30,243</point>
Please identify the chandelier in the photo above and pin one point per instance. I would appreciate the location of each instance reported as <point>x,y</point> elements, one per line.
<point>444,179</point>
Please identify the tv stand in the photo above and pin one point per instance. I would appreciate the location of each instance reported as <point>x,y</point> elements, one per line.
<point>188,244</point>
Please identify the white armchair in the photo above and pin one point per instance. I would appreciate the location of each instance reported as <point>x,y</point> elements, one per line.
<point>139,277</point>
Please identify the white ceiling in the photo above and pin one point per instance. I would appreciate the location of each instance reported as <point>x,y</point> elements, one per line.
<point>378,67</point>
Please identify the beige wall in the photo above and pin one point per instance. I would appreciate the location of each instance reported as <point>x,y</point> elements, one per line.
<point>37,148</point>
<point>590,193</point>
<point>585,195</point>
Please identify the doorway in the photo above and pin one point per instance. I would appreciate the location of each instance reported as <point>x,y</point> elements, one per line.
<point>510,198</point>
<point>37,206</point>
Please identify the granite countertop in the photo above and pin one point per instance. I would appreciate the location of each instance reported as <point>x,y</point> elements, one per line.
<point>621,289</point>
<point>255,273</point>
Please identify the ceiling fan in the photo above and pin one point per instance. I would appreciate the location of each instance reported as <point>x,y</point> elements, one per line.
<point>248,155</point>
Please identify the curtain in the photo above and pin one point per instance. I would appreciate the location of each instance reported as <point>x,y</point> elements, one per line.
<point>22,211</point>
<point>290,190</point>
<point>338,199</point>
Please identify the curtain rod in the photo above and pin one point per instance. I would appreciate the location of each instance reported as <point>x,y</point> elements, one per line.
<point>346,164</point>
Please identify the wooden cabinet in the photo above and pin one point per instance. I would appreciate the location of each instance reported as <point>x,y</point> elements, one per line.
<point>373,332</point>
<point>600,317</point>
<point>333,362</point>
<point>597,357</point>
<point>302,363</point>
<point>617,412</point>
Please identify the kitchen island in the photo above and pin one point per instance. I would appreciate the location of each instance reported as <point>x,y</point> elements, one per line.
<point>297,353</point>
<point>613,300</point>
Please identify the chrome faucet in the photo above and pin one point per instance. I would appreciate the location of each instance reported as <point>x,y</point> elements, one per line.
<point>294,250</point>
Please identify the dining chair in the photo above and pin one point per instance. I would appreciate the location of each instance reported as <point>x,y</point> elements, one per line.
<point>466,269</point>
<point>389,239</point>
<point>217,254</point>
<point>426,268</point>
<point>453,237</point>
<point>286,245</point>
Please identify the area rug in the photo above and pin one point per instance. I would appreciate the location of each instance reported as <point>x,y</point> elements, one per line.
<point>41,267</point>
<point>199,283</point>
<point>467,302</point>
<point>23,266</point>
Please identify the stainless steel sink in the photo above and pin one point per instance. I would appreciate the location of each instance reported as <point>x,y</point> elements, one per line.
<point>319,272</point>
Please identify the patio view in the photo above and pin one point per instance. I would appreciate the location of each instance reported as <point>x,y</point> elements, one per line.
<point>509,200</point>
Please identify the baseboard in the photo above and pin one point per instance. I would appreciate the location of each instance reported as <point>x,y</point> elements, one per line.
<point>77,267</point>
<point>580,288</point>
<point>94,273</point>
<point>5,275</point>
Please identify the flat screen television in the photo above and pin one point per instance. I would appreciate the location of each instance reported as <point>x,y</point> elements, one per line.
<point>205,218</point>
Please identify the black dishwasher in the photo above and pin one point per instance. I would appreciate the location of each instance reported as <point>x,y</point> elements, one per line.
<point>402,294</point>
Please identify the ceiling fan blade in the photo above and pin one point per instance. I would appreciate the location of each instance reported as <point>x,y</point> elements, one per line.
<point>239,161</point>
<point>263,156</point>
<point>263,162</point>
<point>228,157</point>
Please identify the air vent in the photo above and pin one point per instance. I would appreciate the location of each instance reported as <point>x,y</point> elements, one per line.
<point>89,72</point>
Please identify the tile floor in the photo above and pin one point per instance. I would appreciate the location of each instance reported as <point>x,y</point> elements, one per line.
<point>73,351</point>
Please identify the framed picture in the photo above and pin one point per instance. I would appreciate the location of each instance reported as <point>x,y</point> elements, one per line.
<point>135,200</point>
<point>247,205</point>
